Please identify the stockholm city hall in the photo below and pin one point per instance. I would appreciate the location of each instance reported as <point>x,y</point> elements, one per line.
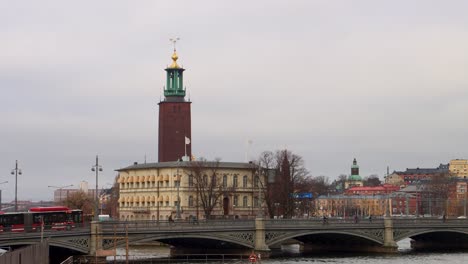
<point>174,117</point>
<point>165,189</point>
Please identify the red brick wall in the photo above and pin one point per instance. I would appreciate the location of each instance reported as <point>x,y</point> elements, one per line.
<point>174,126</point>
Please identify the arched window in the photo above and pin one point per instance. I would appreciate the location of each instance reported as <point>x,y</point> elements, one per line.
<point>244,201</point>
<point>190,201</point>
<point>244,181</point>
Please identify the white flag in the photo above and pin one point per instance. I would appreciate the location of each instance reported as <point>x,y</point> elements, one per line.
<point>187,140</point>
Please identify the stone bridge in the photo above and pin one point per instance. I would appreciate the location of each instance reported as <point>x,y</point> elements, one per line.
<point>261,235</point>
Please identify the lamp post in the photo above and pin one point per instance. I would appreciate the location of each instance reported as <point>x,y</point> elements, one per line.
<point>60,188</point>
<point>15,172</point>
<point>97,168</point>
<point>178,196</point>
<point>1,195</point>
<point>277,208</point>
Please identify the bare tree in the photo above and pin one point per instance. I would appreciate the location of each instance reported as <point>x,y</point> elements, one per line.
<point>316,186</point>
<point>437,193</point>
<point>113,202</point>
<point>80,200</point>
<point>208,185</point>
<point>288,171</point>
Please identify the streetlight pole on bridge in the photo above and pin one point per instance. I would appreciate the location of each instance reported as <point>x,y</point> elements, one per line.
<point>97,168</point>
<point>15,172</point>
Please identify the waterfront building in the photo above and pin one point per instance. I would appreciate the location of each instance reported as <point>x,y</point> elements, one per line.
<point>349,205</point>
<point>185,189</point>
<point>354,180</point>
<point>459,168</point>
<point>408,201</point>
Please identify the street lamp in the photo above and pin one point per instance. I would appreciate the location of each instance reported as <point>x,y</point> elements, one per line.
<point>97,168</point>
<point>60,188</point>
<point>1,195</point>
<point>15,172</point>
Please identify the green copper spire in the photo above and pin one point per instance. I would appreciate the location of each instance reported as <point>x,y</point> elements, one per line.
<point>174,79</point>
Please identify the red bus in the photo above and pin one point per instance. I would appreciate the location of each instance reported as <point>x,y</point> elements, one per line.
<point>52,218</point>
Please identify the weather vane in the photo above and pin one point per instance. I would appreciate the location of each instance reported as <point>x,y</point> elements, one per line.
<point>174,41</point>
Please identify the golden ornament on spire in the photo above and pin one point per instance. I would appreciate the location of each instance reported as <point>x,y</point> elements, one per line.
<point>174,64</point>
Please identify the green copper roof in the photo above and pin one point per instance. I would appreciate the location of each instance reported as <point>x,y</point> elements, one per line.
<point>355,178</point>
<point>174,79</point>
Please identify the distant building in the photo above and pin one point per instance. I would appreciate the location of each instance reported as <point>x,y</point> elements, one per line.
<point>372,190</point>
<point>459,168</point>
<point>354,180</point>
<point>395,179</point>
<point>61,194</point>
<point>411,176</point>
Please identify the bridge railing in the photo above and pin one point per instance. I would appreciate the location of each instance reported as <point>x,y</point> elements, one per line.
<point>321,223</point>
<point>429,221</point>
<point>134,226</point>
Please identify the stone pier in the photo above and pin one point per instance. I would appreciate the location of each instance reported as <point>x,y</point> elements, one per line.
<point>260,246</point>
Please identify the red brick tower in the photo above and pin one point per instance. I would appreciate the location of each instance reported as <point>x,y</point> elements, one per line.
<point>175,131</point>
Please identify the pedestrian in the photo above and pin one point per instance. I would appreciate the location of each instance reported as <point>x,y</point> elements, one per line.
<point>356,219</point>
<point>325,220</point>
<point>370,218</point>
<point>444,218</point>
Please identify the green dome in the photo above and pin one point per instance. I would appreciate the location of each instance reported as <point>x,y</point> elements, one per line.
<point>355,178</point>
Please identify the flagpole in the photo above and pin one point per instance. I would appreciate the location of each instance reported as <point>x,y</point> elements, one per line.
<point>185,145</point>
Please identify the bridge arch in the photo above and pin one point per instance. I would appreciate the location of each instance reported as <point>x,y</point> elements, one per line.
<point>174,239</point>
<point>273,239</point>
<point>400,235</point>
<point>80,248</point>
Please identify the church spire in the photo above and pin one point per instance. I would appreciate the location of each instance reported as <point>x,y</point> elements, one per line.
<point>174,76</point>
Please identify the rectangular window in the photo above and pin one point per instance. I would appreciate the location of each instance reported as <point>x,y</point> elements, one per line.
<point>190,182</point>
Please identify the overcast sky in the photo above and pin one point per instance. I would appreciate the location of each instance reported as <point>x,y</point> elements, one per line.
<point>382,81</point>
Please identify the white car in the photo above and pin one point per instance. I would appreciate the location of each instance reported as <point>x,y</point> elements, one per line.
<point>461,217</point>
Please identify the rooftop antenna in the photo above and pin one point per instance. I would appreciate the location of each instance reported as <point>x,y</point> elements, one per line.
<point>145,158</point>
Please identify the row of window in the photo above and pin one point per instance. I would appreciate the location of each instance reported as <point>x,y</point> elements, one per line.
<point>191,202</point>
<point>191,182</point>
